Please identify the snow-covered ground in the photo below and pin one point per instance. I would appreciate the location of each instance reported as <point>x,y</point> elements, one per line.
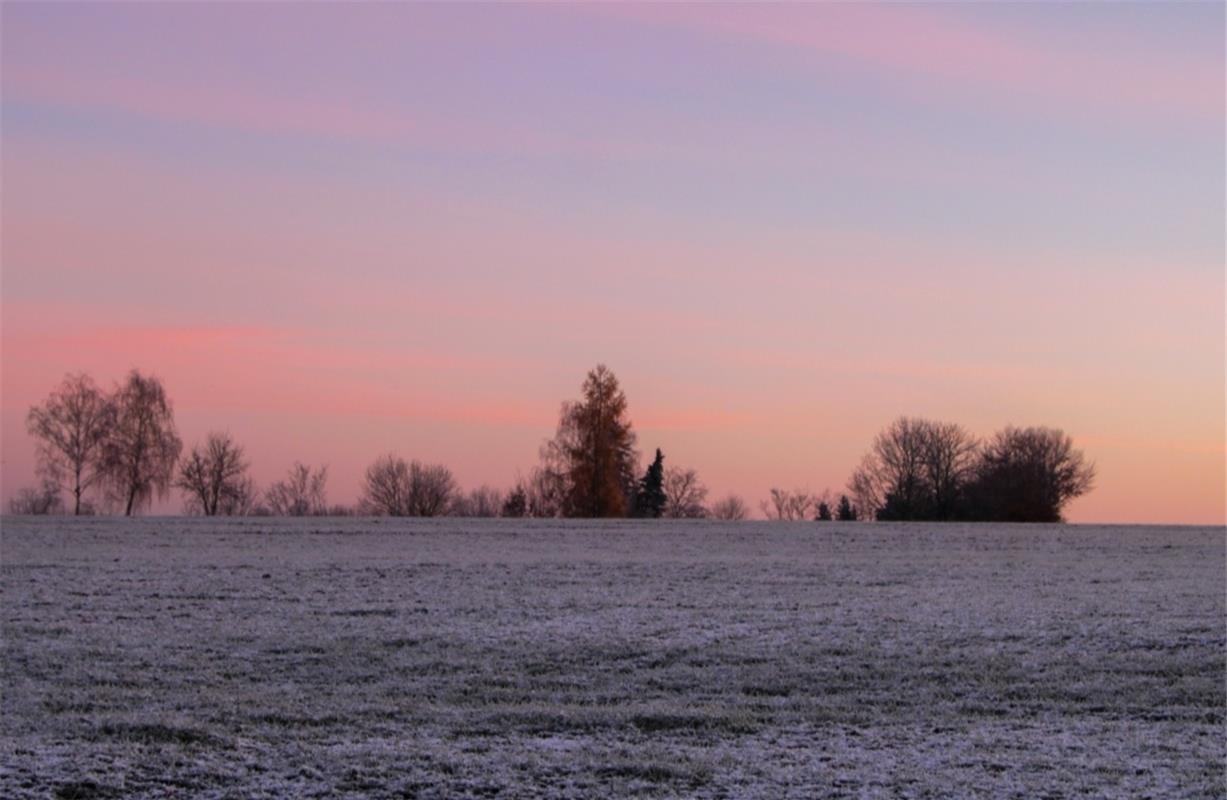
<point>291,658</point>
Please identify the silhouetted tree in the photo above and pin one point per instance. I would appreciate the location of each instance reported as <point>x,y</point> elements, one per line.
<point>786,505</point>
<point>431,489</point>
<point>242,499</point>
<point>593,453</point>
<point>43,500</point>
<point>71,428</point>
<point>484,501</point>
<point>142,446</point>
<point>1028,475</point>
<point>214,477</point>
<point>408,489</point>
<point>650,497</point>
<point>547,486</point>
<point>845,512</point>
<point>684,493</point>
<point>824,512</point>
<point>301,493</point>
<point>516,504</point>
<point>730,507</point>
<point>916,470</point>
<point>386,490</point>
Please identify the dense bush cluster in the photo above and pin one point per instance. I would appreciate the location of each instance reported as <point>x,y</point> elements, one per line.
<point>918,469</point>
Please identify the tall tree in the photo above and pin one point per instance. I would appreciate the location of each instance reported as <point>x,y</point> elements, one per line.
<point>71,427</point>
<point>593,451</point>
<point>214,477</point>
<point>650,497</point>
<point>143,446</point>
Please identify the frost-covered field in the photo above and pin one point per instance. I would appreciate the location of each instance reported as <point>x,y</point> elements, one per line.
<point>285,658</point>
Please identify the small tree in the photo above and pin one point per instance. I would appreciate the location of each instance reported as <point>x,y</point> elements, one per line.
<point>685,494</point>
<point>71,427</point>
<point>387,488</point>
<point>730,507</point>
<point>824,512</point>
<point>845,511</point>
<point>214,477</point>
<point>43,500</point>
<point>142,446</point>
<point>484,501</point>
<point>650,498</point>
<point>788,506</point>
<point>431,489</point>
<point>301,493</point>
<point>516,504</point>
<point>402,489</point>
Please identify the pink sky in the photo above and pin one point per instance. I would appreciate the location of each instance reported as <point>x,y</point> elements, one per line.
<point>338,231</point>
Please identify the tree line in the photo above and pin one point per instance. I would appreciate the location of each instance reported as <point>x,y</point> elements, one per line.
<point>119,449</point>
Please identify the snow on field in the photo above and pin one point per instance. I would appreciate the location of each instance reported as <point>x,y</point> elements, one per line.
<point>337,657</point>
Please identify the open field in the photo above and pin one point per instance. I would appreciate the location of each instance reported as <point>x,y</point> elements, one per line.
<point>270,658</point>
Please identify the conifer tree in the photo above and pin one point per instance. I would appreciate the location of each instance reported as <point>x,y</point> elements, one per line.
<point>845,512</point>
<point>650,496</point>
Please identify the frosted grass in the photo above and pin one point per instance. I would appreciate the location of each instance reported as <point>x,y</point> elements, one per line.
<point>379,658</point>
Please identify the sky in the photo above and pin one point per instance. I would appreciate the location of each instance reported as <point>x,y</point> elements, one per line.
<point>341,230</point>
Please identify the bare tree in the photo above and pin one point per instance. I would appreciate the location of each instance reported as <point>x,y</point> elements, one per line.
<point>949,460</point>
<point>892,476</point>
<point>548,484</point>
<point>242,500</point>
<point>917,469</point>
<point>684,494</point>
<point>786,506</point>
<point>71,427</point>
<point>142,446</point>
<point>729,507</point>
<point>398,488</point>
<point>300,494</point>
<point>43,500</point>
<point>1028,475</point>
<point>484,501</point>
<point>431,489</point>
<point>386,491</point>
<point>214,477</point>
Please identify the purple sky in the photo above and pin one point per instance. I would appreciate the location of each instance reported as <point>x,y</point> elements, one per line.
<point>342,230</point>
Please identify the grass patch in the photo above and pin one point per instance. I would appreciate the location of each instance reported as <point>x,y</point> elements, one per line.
<point>157,733</point>
<point>86,790</point>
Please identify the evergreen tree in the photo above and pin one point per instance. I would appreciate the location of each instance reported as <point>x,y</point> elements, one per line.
<point>516,504</point>
<point>824,512</point>
<point>845,512</point>
<point>650,497</point>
